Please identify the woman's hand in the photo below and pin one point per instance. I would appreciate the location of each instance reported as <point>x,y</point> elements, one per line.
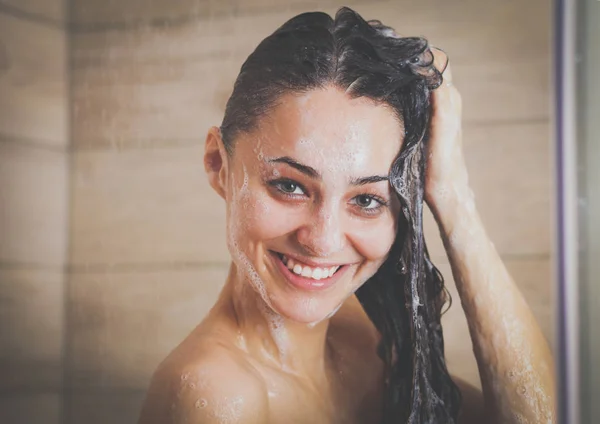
<point>446,180</point>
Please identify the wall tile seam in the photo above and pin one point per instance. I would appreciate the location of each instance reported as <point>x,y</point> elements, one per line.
<point>132,267</point>
<point>37,18</point>
<point>27,390</point>
<point>130,144</point>
<point>11,265</point>
<point>34,143</point>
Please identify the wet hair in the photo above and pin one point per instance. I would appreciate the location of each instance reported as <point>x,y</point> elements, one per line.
<point>405,296</point>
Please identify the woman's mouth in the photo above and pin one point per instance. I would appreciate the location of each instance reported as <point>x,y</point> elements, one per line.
<point>307,277</point>
<point>316,273</point>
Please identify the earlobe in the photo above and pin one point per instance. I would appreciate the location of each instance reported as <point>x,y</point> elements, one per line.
<point>215,161</point>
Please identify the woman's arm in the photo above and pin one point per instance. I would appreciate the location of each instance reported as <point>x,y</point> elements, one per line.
<point>514,360</point>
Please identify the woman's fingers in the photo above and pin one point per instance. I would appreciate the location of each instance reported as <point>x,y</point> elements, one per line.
<point>440,60</point>
<point>446,98</point>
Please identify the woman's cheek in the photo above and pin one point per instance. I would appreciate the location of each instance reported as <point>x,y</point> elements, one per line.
<point>268,219</point>
<point>374,240</point>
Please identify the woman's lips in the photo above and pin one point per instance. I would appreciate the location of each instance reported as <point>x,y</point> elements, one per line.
<point>307,283</point>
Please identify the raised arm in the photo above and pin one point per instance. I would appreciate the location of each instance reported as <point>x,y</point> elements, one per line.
<point>514,359</point>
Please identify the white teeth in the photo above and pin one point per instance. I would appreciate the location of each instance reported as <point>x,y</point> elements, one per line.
<point>306,271</point>
<point>290,264</point>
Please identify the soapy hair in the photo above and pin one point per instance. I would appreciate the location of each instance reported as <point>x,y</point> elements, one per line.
<point>405,296</point>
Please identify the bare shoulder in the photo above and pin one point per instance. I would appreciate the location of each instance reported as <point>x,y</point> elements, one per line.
<point>472,410</point>
<point>210,383</point>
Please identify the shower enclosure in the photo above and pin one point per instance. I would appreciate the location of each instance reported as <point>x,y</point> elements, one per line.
<point>577,101</point>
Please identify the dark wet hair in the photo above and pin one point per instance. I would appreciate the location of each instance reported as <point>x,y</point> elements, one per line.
<point>404,298</point>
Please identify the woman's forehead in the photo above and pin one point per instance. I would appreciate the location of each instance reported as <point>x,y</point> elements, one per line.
<point>327,125</point>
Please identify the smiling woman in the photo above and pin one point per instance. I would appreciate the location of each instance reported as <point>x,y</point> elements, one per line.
<point>302,198</point>
<point>336,133</point>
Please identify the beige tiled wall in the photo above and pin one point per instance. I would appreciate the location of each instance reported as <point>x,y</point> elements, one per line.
<point>33,209</point>
<point>146,250</point>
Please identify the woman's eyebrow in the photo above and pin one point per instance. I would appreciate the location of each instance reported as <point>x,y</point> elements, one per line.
<point>313,173</point>
<point>369,180</point>
<point>305,169</point>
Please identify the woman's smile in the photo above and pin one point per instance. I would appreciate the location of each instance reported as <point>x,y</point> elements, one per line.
<point>308,275</point>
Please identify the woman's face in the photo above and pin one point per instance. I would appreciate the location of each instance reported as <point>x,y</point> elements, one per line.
<point>310,212</point>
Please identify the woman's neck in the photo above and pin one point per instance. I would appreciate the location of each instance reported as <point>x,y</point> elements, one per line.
<point>297,348</point>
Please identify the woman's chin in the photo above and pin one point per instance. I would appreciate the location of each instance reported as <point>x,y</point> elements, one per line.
<point>308,311</point>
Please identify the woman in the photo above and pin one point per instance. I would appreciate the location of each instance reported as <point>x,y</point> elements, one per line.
<point>335,134</point>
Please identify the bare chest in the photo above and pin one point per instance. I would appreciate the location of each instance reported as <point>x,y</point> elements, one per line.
<point>352,394</point>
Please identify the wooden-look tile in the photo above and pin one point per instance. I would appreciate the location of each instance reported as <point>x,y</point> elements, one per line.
<point>516,90</point>
<point>30,408</point>
<point>471,30</point>
<point>101,407</point>
<point>470,26</point>
<point>86,14</point>
<point>509,172</point>
<point>33,211</point>
<point>122,324</point>
<point>533,278</point>
<point>512,183</point>
<point>145,206</point>
<point>89,15</point>
<point>154,85</point>
<point>172,82</point>
<point>31,328</point>
<point>33,82</point>
<point>51,9</point>
<point>149,105</point>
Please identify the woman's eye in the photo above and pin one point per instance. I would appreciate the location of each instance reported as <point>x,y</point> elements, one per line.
<point>289,187</point>
<point>367,202</point>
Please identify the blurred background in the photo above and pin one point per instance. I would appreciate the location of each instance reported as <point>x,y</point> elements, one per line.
<point>112,243</point>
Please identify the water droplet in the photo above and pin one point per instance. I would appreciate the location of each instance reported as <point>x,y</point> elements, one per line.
<point>401,267</point>
<point>520,418</point>
<point>185,377</point>
<point>201,403</point>
<point>522,390</point>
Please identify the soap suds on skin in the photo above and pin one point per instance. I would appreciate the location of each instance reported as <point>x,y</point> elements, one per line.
<point>244,264</point>
<point>274,321</point>
<point>277,331</point>
<point>228,410</point>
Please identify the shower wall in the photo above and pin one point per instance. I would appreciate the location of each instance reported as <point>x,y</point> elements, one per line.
<point>33,208</point>
<point>147,253</point>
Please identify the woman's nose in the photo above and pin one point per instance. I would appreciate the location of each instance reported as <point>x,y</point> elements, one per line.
<point>322,235</point>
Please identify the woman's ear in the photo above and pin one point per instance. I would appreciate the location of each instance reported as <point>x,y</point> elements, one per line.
<point>216,161</point>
